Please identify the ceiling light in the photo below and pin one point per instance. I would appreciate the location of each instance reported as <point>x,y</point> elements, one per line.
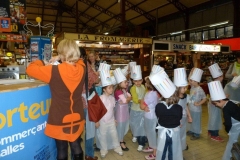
<point>121,43</point>
<point>106,33</point>
<point>173,33</point>
<point>218,24</point>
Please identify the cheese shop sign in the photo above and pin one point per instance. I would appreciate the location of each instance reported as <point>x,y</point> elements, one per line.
<point>105,38</point>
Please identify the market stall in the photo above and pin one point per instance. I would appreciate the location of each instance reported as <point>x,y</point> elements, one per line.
<point>188,55</point>
<point>23,115</point>
<point>115,50</point>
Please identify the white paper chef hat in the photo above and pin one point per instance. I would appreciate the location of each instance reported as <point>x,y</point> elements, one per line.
<point>180,77</point>
<point>125,70</point>
<point>216,91</point>
<point>235,82</point>
<point>119,75</point>
<point>215,70</point>
<point>136,73</point>
<point>155,69</point>
<point>196,75</point>
<point>104,66</point>
<point>163,84</point>
<point>132,64</point>
<point>113,80</point>
<point>105,78</point>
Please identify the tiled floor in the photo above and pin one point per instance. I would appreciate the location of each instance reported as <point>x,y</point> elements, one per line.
<point>202,149</point>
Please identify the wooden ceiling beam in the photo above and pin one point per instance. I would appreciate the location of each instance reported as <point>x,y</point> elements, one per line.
<point>42,16</point>
<point>33,6</point>
<point>47,2</point>
<point>51,15</point>
<point>56,18</point>
<point>32,19</point>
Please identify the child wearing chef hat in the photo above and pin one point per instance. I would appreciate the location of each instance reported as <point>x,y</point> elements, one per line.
<point>231,115</point>
<point>196,98</point>
<point>214,113</point>
<point>169,115</point>
<point>136,114</point>
<point>107,132</point>
<point>148,104</point>
<point>232,89</point>
<point>180,80</point>
<point>121,110</point>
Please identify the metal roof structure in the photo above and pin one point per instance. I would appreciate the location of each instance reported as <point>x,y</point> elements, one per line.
<point>101,16</point>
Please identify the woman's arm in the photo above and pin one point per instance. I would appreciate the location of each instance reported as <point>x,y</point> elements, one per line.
<point>38,70</point>
<point>92,77</point>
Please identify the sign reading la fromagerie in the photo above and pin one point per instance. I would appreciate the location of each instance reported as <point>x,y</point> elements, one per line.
<point>105,38</point>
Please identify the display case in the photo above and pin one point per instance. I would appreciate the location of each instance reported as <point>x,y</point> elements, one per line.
<point>171,60</point>
<point>117,57</point>
<point>223,60</point>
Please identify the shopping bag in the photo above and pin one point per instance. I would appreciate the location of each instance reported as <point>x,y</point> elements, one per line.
<point>96,109</point>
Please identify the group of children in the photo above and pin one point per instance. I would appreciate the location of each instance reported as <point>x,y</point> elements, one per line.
<point>163,105</point>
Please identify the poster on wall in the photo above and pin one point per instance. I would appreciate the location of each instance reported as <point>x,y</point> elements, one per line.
<point>40,48</point>
<point>22,125</point>
<point>18,15</point>
<point>16,11</point>
<point>47,52</point>
<point>5,24</point>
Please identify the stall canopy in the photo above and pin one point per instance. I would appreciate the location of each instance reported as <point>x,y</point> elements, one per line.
<point>233,42</point>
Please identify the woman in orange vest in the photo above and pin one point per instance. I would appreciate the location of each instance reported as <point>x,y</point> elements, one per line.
<point>66,117</point>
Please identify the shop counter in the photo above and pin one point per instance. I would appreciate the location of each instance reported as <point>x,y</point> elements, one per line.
<point>24,107</point>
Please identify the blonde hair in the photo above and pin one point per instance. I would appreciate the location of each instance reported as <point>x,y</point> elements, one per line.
<point>149,85</point>
<point>68,50</point>
<point>173,99</point>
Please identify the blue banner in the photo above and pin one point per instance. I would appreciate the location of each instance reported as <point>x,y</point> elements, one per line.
<point>23,118</point>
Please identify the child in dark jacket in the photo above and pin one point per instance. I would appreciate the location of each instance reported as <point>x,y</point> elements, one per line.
<point>231,115</point>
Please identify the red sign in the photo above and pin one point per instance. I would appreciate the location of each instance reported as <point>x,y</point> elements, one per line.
<point>232,42</point>
<point>5,25</point>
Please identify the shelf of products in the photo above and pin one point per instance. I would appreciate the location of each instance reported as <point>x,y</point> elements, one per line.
<point>223,60</point>
<point>185,60</point>
<point>117,57</point>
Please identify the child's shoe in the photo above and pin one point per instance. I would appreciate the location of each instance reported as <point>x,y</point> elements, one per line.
<point>119,151</point>
<point>134,139</point>
<point>147,150</point>
<point>103,153</point>
<point>217,138</point>
<point>140,148</point>
<point>189,133</point>
<point>149,157</point>
<point>194,137</point>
